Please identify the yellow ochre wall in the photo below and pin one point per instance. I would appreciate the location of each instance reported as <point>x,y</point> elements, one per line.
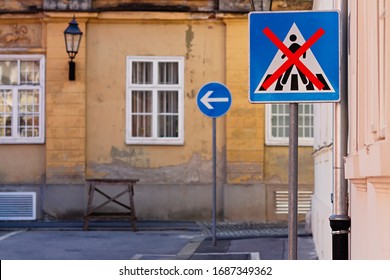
<point>109,43</point>
<point>65,107</point>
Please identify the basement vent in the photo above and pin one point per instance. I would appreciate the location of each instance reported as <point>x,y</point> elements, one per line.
<point>17,205</point>
<point>281,202</point>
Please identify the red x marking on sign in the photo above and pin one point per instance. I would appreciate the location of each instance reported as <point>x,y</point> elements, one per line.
<point>293,58</point>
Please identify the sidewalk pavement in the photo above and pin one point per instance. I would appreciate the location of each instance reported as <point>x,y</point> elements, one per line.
<point>154,240</point>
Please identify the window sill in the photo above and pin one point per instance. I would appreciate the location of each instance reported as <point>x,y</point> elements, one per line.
<point>165,142</point>
<point>14,141</point>
<point>303,143</point>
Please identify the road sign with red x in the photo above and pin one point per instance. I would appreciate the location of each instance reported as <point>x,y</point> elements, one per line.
<point>294,57</point>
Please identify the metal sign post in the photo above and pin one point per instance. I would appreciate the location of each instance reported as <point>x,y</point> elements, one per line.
<point>214,189</point>
<point>214,100</point>
<point>293,184</point>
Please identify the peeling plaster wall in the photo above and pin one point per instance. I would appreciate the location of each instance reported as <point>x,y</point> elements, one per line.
<point>175,181</point>
<point>277,165</point>
<point>109,44</point>
<point>194,171</point>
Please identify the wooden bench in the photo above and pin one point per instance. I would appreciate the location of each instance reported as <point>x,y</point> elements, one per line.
<point>100,183</point>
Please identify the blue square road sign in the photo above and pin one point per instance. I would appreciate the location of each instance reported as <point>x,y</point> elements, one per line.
<point>294,57</point>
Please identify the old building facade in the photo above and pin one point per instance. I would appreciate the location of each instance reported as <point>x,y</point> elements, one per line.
<point>131,111</point>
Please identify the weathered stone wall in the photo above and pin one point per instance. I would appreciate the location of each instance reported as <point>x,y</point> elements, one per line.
<point>18,5</point>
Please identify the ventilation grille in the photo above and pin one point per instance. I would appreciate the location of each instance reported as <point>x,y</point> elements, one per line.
<point>281,202</point>
<point>17,206</point>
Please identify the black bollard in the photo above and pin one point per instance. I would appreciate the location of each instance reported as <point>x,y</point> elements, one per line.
<point>340,225</point>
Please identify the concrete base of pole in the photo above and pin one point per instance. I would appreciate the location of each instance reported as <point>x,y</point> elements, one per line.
<point>340,225</point>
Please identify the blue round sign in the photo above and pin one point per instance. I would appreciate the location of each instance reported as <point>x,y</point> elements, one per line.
<point>214,99</point>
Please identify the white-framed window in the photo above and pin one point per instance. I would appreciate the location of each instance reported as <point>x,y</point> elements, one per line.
<point>22,109</point>
<point>278,122</point>
<point>155,100</point>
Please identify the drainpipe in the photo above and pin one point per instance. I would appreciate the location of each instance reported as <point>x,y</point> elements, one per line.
<point>340,222</point>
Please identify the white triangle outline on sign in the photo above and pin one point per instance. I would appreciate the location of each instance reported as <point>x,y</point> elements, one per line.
<point>309,61</point>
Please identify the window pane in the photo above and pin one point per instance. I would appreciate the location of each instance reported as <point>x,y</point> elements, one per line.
<point>300,132</point>
<point>168,107</point>
<point>141,114</point>
<point>300,120</point>
<point>168,101</point>
<point>168,126</point>
<point>286,120</point>
<point>8,72</point>
<point>308,120</point>
<point>308,132</point>
<point>6,107</point>
<point>274,132</point>
<point>168,73</point>
<point>273,121</point>
<point>308,109</point>
<point>28,113</point>
<point>281,132</point>
<point>141,126</point>
<point>281,120</point>
<point>5,125</point>
<point>142,73</point>
<point>141,101</point>
<point>5,101</point>
<point>283,108</point>
<point>274,109</point>
<point>29,72</point>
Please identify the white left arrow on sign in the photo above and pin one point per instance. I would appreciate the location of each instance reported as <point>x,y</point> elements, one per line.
<point>206,99</point>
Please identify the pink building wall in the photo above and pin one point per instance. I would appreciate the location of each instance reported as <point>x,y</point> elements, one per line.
<point>367,165</point>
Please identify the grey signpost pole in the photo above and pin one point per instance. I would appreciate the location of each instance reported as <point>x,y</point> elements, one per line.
<point>293,183</point>
<point>214,192</point>
<point>214,100</point>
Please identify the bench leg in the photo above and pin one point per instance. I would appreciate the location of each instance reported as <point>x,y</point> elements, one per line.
<point>132,206</point>
<point>89,206</point>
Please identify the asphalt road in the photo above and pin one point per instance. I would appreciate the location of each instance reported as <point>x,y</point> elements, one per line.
<point>152,241</point>
<point>91,245</point>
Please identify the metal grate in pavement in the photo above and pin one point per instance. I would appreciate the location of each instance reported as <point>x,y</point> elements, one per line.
<point>248,230</point>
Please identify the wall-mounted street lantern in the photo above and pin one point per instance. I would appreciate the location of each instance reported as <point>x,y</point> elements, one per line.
<point>261,5</point>
<point>72,36</point>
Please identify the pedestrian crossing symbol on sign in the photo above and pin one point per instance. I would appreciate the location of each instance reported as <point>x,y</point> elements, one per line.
<point>294,79</point>
<point>294,57</point>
